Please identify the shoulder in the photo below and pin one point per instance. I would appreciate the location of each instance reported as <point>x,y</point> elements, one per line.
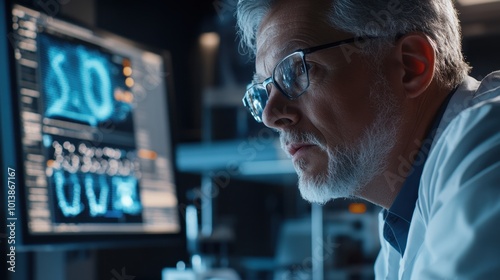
<point>458,196</point>
<point>469,145</point>
<point>488,89</point>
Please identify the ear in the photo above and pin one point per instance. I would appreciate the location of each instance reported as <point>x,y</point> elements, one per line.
<point>416,55</point>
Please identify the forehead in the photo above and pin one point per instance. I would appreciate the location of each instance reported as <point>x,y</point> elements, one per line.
<point>290,25</point>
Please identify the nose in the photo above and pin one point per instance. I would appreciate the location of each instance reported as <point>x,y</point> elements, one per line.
<point>280,112</point>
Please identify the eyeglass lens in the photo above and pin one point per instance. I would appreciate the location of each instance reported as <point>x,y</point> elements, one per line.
<point>291,78</point>
<point>291,75</point>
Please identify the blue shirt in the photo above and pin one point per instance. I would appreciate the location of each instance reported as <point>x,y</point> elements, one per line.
<point>398,217</point>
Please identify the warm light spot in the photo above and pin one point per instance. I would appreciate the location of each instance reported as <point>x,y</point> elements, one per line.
<point>128,97</point>
<point>118,94</point>
<point>357,208</point>
<point>475,2</point>
<point>126,63</point>
<point>129,82</point>
<point>123,96</point>
<point>209,40</point>
<point>147,154</point>
<point>50,163</point>
<point>127,71</point>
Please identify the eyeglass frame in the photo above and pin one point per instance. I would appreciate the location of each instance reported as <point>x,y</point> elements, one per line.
<point>303,53</point>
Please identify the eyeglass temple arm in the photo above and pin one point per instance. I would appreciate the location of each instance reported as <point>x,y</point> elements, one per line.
<point>338,43</point>
<point>343,42</point>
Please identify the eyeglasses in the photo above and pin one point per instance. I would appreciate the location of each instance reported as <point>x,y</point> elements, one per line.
<point>290,76</point>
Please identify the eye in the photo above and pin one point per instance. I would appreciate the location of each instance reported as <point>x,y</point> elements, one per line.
<point>308,66</point>
<point>291,73</point>
<point>316,71</point>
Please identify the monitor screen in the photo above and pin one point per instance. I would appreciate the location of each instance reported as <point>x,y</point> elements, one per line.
<point>93,147</point>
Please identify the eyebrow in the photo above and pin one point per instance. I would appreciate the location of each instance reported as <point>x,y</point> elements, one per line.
<point>283,52</point>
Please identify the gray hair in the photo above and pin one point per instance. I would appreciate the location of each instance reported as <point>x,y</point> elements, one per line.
<point>381,18</point>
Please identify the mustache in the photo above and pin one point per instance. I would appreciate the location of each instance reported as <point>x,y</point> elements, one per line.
<point>296,137</point>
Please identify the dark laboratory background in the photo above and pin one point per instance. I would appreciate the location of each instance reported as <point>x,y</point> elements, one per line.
<point>253,224</point>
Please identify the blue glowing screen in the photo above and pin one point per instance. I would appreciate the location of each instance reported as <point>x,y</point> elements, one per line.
<point>93,184</point>
<point>91,180</point>
<point>80,82</point>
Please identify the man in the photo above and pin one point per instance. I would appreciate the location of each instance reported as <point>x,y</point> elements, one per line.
<point>372,100</point>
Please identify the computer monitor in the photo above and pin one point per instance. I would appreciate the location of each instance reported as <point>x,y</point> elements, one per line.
<point>86,136</point>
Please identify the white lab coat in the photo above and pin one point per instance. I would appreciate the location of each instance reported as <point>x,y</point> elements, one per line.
<point>455,228</point>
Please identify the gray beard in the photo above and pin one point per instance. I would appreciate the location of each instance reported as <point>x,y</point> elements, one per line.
<point>352,167</point>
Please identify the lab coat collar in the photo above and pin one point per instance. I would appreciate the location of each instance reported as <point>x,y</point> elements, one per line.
<point>398,217</point>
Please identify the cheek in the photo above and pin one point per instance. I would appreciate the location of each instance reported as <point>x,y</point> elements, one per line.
<point>341,109</point>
